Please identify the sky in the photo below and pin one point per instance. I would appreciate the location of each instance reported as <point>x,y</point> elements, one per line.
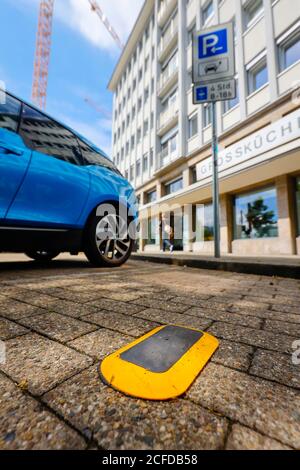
<point>83,57</point>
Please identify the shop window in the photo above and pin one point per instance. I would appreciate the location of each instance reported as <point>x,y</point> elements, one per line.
<point>152,230</point>
<point>298,203</point>
<point>256,214</point>
<point>204,222</point>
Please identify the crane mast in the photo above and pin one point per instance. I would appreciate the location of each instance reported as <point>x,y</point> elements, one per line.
<point>43,47</point>
<point>42,54</point>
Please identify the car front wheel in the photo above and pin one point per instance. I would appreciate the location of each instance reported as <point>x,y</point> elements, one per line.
<point>107,241</point>
<point>42,256</point>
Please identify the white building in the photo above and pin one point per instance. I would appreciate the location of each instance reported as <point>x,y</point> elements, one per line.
<point>161,141</point>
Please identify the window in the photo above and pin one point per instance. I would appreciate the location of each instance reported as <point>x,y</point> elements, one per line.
<point>133,112</point>
<point>134,84</point>
<point>129,93</point>
<point>146,63</point>
<point>151,196</point>
<point>132,141</point>
<point>193,125</point>
<point>44,135</point>
<point>138,168</point>
<point>152,85</point>
<point>151,158</point>
<point>131,172</point>
<point>252,10</point>
<point>140,102</point>
<point>126,174</point>
<point>152,230</point>
<point>92,157</point>
<point>146,127</point>
<point>122,153</point>
<point>256,215</point>
<point>227,105</point>
<point>207,11</point>
<point>146,94</point>
<point>173,186</point>
<point>289,51</point>
<point>140,74</point>
<point>152,120</point>
<point>145,162</point>
<point>257,76</point>
<point>193,171</point>
<point>139,135</point>
<point>191,34</point>
<point>10,113</point>
<point>298,203</point>
<point>207,114</point>
<point>169,148</point>
<point>128,120</point>
<point>152,53</point>
<point>127,147</point>
<point>204,222</point>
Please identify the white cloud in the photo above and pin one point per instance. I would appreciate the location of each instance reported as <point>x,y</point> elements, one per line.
<point>77,14</point>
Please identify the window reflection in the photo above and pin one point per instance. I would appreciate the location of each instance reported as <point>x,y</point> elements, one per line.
<point>256,215</point>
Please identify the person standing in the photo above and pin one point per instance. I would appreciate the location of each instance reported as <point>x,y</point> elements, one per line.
<point>167,235</point>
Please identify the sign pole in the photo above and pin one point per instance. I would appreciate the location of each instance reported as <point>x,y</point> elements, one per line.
<point>216,203</point>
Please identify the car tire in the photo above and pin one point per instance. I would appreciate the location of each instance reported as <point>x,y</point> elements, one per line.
<point>112,251</point>
<point>42,256</point>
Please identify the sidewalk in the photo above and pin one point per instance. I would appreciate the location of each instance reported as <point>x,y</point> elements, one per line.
<point>265,265</point>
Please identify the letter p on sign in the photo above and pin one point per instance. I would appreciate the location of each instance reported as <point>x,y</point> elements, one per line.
<point>213,44</point>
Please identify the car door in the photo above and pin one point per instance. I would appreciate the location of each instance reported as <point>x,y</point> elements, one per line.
<point>55,189</point>
<point>14,156</point>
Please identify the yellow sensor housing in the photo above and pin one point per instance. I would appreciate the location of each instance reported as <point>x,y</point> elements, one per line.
<point>161,364</point>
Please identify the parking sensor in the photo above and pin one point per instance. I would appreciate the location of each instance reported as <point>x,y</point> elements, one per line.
<point>161,364</point>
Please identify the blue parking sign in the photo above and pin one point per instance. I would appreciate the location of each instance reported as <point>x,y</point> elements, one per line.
<point>212,44</point>
<point>201,93</point>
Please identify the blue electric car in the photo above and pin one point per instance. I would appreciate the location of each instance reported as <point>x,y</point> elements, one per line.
<point>52,184</point>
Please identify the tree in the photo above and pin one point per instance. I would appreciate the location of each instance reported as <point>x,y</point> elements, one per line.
<point>259,218</point>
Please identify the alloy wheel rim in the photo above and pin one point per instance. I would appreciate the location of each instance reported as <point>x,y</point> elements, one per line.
<point>112,238</point>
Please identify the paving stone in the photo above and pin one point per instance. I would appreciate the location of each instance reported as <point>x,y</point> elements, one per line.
<point>120,422</point>
<point>114,306</point>
<point>267,314</point>
<point>191,300</point>
<point>242,438</point>
<point>40,362</point>
<point>251,305</point>
<point>259,338</point>
<point>27,425</point>
<point>122,323</point>
<point>14,310</point>
<point>269,408</point>
<point>71,309</point>
<point>229,317</point>
<point>167,318</point>
<point>167,305</point>
<point>235,355</point>
<point>100,343</point>
<point>58,326</point>
<point>295,309</point>
<point>292,329</point>
<point>9,329</point>
<point>276,366</point>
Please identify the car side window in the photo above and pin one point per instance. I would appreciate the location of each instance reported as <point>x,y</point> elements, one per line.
<point>91,157</point>
<point>10,109</point>
<point>44,135</point>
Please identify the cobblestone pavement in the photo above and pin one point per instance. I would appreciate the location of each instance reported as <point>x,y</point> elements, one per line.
<point>58,323</point>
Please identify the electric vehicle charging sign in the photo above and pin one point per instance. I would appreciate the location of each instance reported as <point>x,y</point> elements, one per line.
<point>213,54</point>
<point>216,91</point>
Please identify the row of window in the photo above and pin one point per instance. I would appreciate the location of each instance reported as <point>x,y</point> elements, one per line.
<point>255,216</point>
<point>252,10</point>
<point>47,136</point>
<point>135,169</point>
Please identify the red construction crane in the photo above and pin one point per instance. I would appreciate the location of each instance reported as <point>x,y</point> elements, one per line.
<point>42,54</point>
<point>43,47</point>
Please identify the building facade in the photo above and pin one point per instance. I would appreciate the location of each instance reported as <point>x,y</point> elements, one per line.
<point>162,142</point>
